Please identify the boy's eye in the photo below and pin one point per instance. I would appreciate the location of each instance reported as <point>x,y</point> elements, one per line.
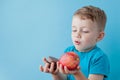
<point>74,30</point>
<point>85,31</point>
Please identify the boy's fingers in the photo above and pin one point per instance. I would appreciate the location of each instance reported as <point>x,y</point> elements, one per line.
<point>66,70</point>
<point>56,70</point>
<point>52,67</point>
<point>58,64</point>
<point>57,67</point>
<point>41,68</point>
<point>78,67</point>
<point>46,68</point>
<point>61,69</point>
<point>45,60</point>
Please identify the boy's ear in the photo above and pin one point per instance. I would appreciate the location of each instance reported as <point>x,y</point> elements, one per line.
<point>100,36</point>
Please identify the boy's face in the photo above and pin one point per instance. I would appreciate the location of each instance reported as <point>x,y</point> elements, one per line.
<point>85,34</point>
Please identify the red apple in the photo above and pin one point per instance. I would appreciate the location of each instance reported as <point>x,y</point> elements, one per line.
<point>70,60</point>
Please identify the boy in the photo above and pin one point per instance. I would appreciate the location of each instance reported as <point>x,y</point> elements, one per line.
<point>88,25</point>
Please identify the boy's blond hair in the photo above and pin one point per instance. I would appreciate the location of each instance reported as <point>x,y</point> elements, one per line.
<point>93,13</point>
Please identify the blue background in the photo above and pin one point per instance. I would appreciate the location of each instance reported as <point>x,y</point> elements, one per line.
<point>33,29</point>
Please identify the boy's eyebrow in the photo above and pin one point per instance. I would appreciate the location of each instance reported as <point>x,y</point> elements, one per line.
<point>73,26</point>
<point>81,27</point>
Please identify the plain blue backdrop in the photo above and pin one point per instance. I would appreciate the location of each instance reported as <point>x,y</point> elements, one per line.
<point>33,29</point>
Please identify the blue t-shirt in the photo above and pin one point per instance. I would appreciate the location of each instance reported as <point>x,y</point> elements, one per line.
<point>94,61</point>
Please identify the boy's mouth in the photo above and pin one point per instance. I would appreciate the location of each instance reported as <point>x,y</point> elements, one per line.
<point>77,42</point>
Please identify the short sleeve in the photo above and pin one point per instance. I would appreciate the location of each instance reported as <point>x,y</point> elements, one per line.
<point>71,48</point>
<point>100,65</point>
<point>66,50</point>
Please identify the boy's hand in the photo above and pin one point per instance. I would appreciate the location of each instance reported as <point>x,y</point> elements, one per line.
<point>65,70</point>
<point>51,65</point>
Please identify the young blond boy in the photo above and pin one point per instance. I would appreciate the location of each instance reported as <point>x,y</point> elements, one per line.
<point>88,25</point>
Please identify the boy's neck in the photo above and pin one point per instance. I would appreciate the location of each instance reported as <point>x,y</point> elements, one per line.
<point>88,49</point>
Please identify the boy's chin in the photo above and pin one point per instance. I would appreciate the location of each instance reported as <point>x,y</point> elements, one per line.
<point>78,48</point>
<point>81,49</point>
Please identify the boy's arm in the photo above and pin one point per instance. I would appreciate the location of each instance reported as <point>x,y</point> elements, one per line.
<point>59,76</point>
<point>95,77</point>
<point>80,76</point>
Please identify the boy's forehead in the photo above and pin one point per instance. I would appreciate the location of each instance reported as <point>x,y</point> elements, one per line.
<point>80,21</point>
<point>81,17</point>
<point>83,23</point>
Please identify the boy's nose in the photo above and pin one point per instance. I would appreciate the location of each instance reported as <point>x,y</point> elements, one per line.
<point>78,35</point>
